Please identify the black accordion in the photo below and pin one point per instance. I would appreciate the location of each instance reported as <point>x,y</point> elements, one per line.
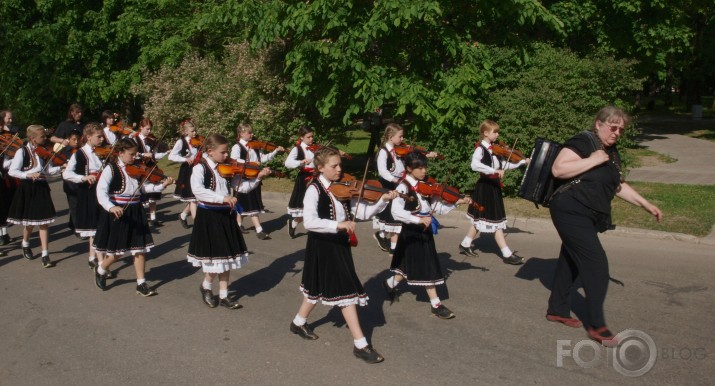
<point>538,183</point>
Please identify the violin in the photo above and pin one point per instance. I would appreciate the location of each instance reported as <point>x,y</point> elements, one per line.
<point>502,150</point>
<point>371,190</point>
<point>151,174</point>
<point>10,144</point>
<point>197,141</point>
<point>248,170</point>
<point>103,151</point>
<point>154,143</point>
<point>123,130</point>
<point>45,152</point>
<point>448,194</point>
<point>262,145</point>
<point>315,147</point>
<point>403,150</point>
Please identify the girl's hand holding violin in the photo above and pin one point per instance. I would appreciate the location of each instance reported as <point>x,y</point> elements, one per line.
<point>117,211</point>
<point>464,200</point>
<point>230,200</point>
<point>348,226</point>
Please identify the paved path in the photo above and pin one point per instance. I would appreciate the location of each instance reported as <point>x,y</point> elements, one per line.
<point>59,329</point>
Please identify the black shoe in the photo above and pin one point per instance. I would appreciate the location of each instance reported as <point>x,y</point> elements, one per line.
<point>27,253</point>
<point>263,236</point>
<point>157,223</point>
<point>242,229</point>
<point>144,290</point>
<point>392,253</point>
<point>92,264</point>
<point>514,259</point>
<point>303,331</point>
<point>100,280</point>
<point>5,240</point>
<point>77,235</point>
<point>291,228</point>
<point>231,305</point>
<point>442,312</point>
<point>46,262</point>
<point>184,222</point>
<point>83,238</point>
<point>208,297</point>
<point>110,275</point>
<point>383,243</point>
<point>368,354</point>
<point>391,293</point>
<point>467,251</point>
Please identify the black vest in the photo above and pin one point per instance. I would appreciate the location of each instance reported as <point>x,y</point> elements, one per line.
<point>390,162</point>
<point>243,153</point>
<point>81,163</point>
<point>414,206</point>
<point>185,151</point>
<point>116,185</point>
<point>326,210</point>
<point>28,159</point>
<point>209,178</point>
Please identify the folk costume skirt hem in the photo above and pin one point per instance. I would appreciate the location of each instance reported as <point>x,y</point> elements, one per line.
<point>487,193</point>
<point>416,258</point>
<point>127,234</point>
<point>32,204</point>
<point>217,244</point>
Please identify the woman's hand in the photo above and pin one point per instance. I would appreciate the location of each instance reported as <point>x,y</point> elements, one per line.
<point>654,210</point>
<point>598,157</point>
<point>348,226</point>
<point>116,211</point>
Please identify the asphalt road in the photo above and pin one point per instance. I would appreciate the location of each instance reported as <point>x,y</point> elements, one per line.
<point>59,329</point>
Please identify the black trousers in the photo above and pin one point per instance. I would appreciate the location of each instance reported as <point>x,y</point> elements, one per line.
<point>581,256</point>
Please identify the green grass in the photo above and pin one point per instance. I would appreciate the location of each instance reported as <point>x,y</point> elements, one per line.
<point>642,157</point>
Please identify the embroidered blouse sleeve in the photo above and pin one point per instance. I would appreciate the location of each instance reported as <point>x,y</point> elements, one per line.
<point>311,221</point>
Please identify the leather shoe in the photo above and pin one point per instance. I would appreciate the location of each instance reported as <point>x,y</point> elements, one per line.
<point>27,253</point>
<point>514,259</point>
<point>184,222</point>
<point>603,336</point>
<point>381,242</point>
<point>263,236</point>
<point>242,229</point>
<point>157,223</point>
<point>100,280</point>
<point>391,292</point>
<point>368,354</point>
<point>144,290</point>
<point>231,305</point>
<point>303,331</point>
<point>5,240</point>
<point>291,228</point>
<point>467,251</point>
<point>208,297</point>
<point>92,264</point>
<point>571,322</point>
<point>46,262</point>
<point>442,312</point>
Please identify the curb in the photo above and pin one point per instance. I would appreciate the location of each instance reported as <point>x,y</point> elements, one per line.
<point>542,223</point>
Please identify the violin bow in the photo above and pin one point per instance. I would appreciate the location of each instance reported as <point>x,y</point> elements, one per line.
<point>9,144</point>
<point>362,184</point>
<point>511,151</point>
<point>141,183</point>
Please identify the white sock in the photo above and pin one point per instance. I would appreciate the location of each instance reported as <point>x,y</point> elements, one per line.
<point>45,253</point>
<point>467,242</point>
<point>25,244</point>
<point>223,294</point>
<point>92,258</point>
<point>141,281</point>
<point>393,245</point>
<point>382,234</point>
<point>299,321</point>
<point>259,229</point>
<point>360,343</point>
<point>183,215</point>
<point>435,302</point>
<point>101,270</point>
<point>506,252</point>
<point>391,282</point>
<point>206,285</point>
<point>293,223</point>
<point>152,216</point>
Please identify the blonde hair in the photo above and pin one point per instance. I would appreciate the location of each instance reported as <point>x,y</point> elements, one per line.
<point>213,141</point>
<point>91,128</point>
<point>611,114</point>
<point>242,128</point>
<point>390,130</point>
<point>184,124</point>
<point>34,130</point>
<point>488,126</point>
<point>323,154</point>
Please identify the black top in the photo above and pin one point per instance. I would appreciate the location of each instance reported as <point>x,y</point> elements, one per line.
<point>65,128</point>
<point>598,185</point>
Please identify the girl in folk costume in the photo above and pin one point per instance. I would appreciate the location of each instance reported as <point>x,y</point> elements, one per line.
<point>108,120</point>
<point>8,184</point>
<point>122,226</point>
<point>185,154</point>
<point>300,157</point>
<point>251,202</point>
<point>217,245</point>
<point>32,204</point>
<point>415,258</point>
<point>82,171</point>
<point>329,272</point>
<point>391,172</point>
<point>150,156</point>
<point>488,193</point>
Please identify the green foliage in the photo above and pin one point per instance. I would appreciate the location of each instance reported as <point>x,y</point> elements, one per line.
<point>219,94</point>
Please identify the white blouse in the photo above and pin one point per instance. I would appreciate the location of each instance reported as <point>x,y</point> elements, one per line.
<point>16,164</point>
<point>130,186</point>
<point>222,187</point>
<point>478,166</point>
<point>292,160</point>
<point>93,164</point>
<point>382,163</point>
<point>398,206</point>
<point>175,153</point>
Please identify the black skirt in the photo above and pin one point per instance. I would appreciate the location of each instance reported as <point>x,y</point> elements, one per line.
<point>295,204</point>
<point>32,204</point>
<point>216,245</point>
<point>329,272</point>
<point>128,234</point>
<point>183,184</point>
<point>251,202</point>
<point>385,221</point>
<point>487,193</point>
<point>416,258</point>
<point>151,197</point>
<point>7,190</point>
<point>87,210</point>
